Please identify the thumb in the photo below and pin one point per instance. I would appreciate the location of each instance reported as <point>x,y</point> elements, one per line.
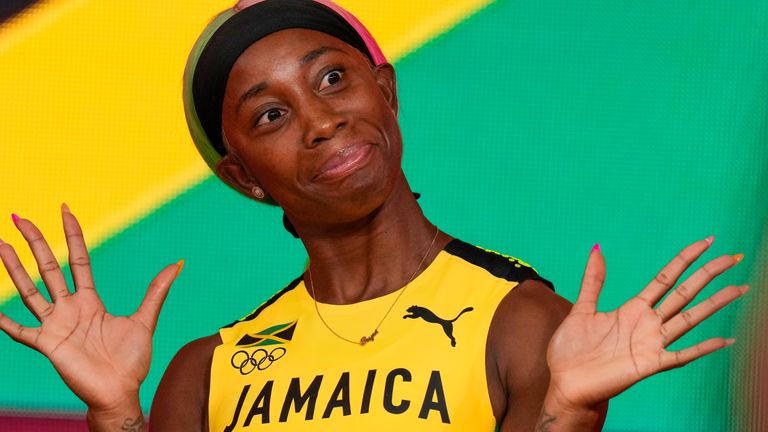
<point>149,309</point>
<point>592,282</point>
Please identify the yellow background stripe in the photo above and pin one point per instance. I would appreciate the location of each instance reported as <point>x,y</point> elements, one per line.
<point>92,115</point>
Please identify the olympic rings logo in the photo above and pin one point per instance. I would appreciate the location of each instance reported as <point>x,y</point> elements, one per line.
<point>259,359</point>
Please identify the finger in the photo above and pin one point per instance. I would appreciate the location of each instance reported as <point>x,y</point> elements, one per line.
<point>149,309</point>
<point>49,267</point>
<point>691,287</point>
<point>79,260</point>
<point>680,324</point>
<point>592,282</point>
<point>19,333</point>
<point>667,277</point>
<point>33,300</point>
<point>675,359</point>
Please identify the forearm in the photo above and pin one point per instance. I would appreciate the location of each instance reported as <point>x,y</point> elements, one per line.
<point>124,417</point>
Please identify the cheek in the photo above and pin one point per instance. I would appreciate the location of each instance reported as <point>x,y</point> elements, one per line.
<point>391,130</point>
<point>267,161</point>
<point>271,168</point>
<point>374,109</point>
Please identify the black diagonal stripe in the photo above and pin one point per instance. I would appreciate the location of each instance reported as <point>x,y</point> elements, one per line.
<point>249,340</point>
<point>11,8</point>
<point>287,333</point>
<point>496,264</point>
<point>267,303</point>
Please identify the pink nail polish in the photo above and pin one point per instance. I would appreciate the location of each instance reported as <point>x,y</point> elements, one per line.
<point>709,239</point>
<point>596,248</point>
<point>15,217</point>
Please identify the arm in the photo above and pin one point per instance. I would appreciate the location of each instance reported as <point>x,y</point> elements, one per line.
<point>181,400</point>
<point>518,375</point>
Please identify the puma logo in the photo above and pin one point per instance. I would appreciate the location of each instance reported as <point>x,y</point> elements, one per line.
<point>429,316</point>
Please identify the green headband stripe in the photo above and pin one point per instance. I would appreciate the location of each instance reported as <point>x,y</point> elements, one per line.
<point>199,136</point>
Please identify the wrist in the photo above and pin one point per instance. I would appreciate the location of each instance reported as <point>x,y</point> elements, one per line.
<point>125,415</point>
<point>560,414</point>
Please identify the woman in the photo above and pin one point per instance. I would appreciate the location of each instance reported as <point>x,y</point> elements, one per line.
<point>394,323</point>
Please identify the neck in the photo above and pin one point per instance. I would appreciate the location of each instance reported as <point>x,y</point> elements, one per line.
<point>374,256</point>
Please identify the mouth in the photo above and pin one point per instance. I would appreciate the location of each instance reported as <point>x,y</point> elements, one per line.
<point>344,162</point>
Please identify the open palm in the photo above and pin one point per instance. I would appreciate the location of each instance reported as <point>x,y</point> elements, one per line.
<point>101,357</point>
<point>594,356</point>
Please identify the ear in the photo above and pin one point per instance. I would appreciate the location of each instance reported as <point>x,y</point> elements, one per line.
<point>385,77</point>
<point>231,171</point>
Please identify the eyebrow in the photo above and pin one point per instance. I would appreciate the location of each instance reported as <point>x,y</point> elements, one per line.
<point>315,53</point>
<point>252,92</point>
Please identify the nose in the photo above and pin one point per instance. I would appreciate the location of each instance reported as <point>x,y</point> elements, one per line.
<point>322,121</point>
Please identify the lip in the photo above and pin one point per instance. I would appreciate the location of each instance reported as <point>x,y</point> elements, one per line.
<point>344,162</point>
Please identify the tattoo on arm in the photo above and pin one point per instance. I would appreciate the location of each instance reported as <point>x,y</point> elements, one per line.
<point>133,425</point>
<point>545,421</point>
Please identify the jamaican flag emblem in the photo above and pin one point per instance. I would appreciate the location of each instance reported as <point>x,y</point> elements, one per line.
<point>275,335</point>
<point>260,350</point>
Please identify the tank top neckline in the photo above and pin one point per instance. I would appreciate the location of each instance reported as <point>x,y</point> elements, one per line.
<point>375,302</point>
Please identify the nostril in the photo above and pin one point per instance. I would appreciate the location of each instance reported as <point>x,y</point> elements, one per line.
<point>326,132</point>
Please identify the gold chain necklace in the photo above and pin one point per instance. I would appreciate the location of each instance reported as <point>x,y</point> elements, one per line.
<point>365,339</point>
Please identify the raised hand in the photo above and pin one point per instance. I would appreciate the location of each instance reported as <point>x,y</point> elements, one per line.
<point>594,356</point>
<point>102,358</point>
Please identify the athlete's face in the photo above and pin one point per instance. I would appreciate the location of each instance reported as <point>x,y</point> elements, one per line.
<point>314,125</point>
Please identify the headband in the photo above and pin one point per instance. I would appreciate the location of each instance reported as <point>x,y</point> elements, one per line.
<point>230,33</point>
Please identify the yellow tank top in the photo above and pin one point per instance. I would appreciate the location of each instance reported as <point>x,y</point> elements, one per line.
<point>281,369</point>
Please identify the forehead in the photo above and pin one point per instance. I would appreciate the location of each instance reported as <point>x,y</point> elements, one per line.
<point>290,46</point>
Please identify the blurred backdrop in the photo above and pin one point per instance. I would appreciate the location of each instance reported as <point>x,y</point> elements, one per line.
<point>532,128</point>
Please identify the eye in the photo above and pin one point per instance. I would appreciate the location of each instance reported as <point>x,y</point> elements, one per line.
<point>331,78</point>
<point>269,116</point>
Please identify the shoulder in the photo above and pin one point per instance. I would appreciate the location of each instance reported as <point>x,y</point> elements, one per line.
<point>517,349</point>
<point>181,399</point>
<point>526,317</point>
<point>195,353</point>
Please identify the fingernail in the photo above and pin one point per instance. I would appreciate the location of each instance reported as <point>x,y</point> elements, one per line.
<point>180,266</point>
<point>738,257</point>
<point>595,248</point>
<point>65,208</point>
<point>709,239</point>
<point>730,341</point>
<point>15,217</point>
<point>744,289</point>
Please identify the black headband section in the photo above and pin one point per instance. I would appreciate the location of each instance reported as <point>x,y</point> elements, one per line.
<point>240,32</point>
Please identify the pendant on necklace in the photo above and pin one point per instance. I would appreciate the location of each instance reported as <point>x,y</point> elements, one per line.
<point>365,339</point>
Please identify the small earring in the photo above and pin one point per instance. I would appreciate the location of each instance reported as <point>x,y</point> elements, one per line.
<point>257,192</point>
